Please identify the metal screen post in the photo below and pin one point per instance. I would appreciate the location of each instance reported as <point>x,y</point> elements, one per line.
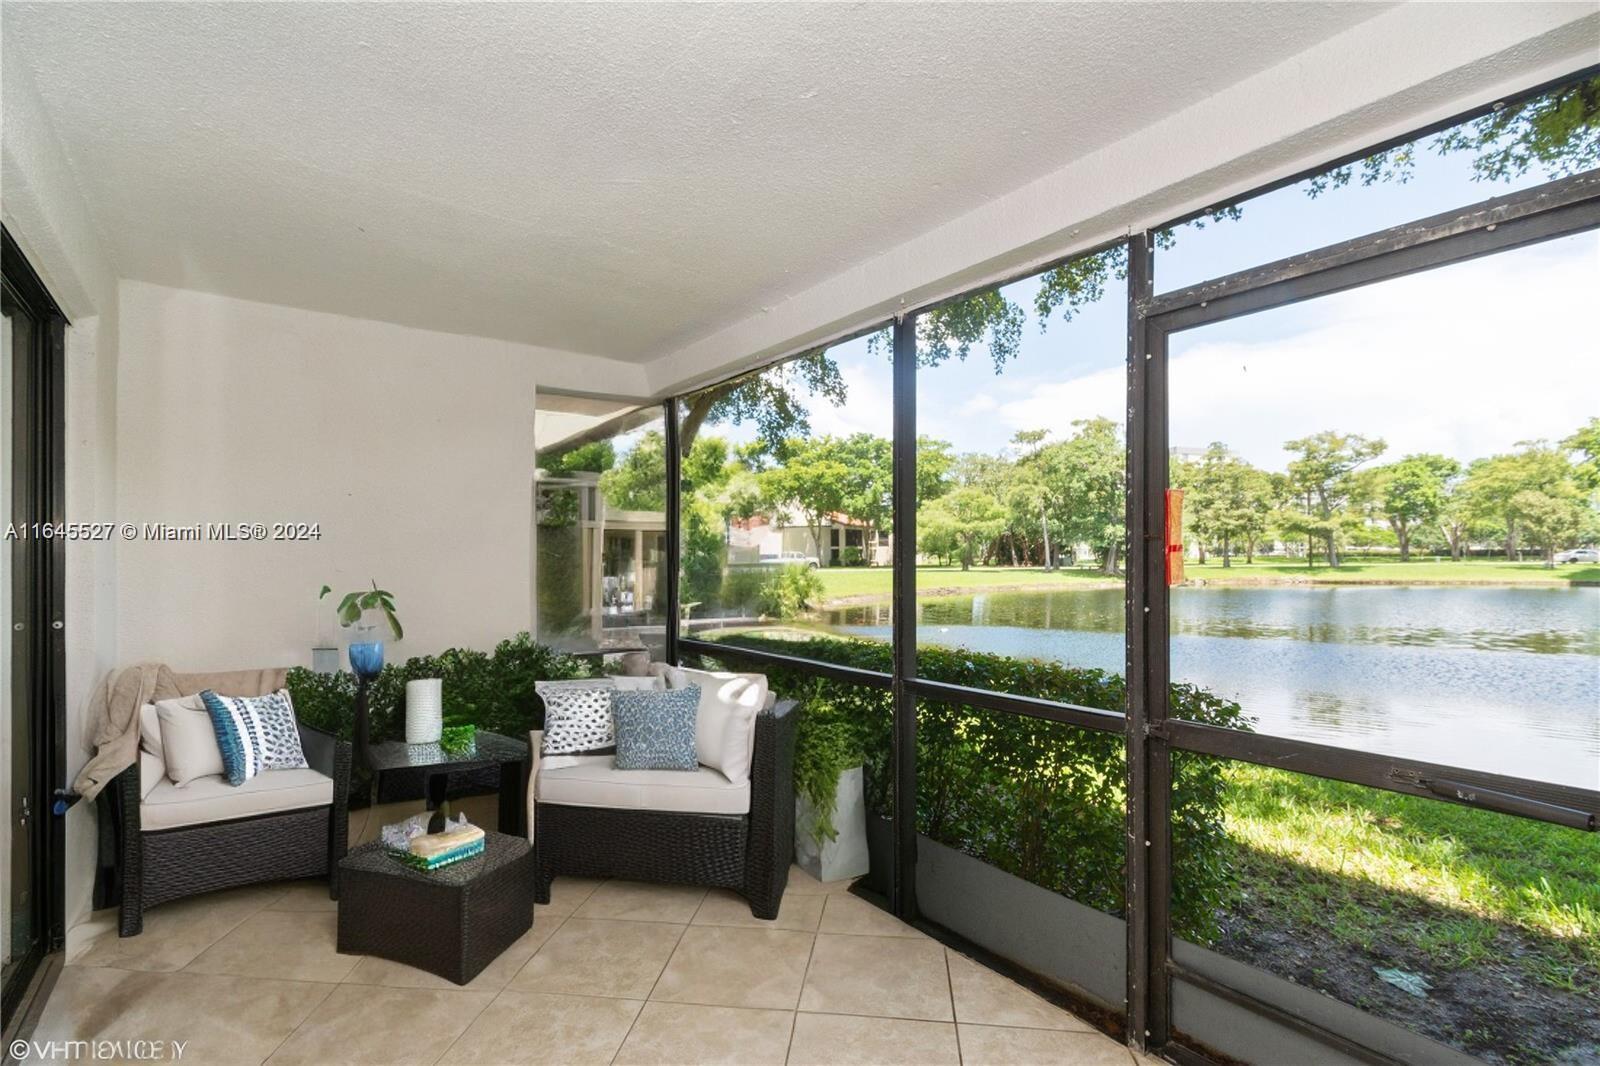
<point>904,616</point>
<point>674,526</point>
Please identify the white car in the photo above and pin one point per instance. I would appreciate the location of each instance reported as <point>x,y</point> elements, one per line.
<point>790,559</point>
<point>1579,555</point>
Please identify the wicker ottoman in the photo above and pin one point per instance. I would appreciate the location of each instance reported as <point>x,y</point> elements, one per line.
<point>452,922</point>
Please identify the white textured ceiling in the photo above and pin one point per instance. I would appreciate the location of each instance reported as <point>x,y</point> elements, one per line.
<point>609,179</point>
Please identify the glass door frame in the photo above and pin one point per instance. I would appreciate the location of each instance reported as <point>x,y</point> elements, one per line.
<point>1558,208</point>
<point>39,660</point>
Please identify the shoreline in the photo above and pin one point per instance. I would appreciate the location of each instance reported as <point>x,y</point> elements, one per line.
<point>867,599</point>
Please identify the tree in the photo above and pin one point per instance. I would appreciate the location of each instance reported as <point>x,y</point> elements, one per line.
<point>595,457</point>
<point>1586,443</point>
<point>706,466</point>
<point>994,475</point>
<point>639,481</point>
<point>967,517</point>
<point>936,533</point>
<point>1231,500</point>
<point>1549,518</point>
<point>703,552</point>
<point>1084,477</point>
<point>1412,492</point>
<point>1558,130</point>
<point>1322,478</point>
<point>869,483</point>
<point>1029,494</point>
<point>1492,485</point>
<point>934,462</point>
<point>812,479</point>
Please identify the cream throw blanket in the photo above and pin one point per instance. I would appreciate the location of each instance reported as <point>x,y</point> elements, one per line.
<point>114,711</point>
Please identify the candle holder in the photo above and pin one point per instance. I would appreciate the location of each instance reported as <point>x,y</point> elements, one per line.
<point>366,660</point>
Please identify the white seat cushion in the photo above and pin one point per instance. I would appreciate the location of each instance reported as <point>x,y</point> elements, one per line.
<point>594,781</point>
<point>212,799</point>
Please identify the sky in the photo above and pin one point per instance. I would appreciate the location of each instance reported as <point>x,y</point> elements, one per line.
<point>1467,360</point>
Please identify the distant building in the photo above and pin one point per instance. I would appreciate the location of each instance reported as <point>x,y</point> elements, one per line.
<point>760,539</point>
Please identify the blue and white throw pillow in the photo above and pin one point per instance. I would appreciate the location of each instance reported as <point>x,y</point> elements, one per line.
<point>655,730</point>
<point>255,733</point>
<point>577,719</point>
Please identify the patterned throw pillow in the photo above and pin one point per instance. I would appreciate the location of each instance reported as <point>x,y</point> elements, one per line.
<point>655,730</point>
<point>255,733</point>
<point>577,720</point>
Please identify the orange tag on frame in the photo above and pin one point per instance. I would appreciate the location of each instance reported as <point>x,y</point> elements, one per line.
<point>1174,537</point>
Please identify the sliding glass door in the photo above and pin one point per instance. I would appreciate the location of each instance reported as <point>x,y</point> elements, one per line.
<point>31,335</point>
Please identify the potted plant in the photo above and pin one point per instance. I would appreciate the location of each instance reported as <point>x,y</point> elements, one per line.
<point>366,610</point>
<point>830,810</point>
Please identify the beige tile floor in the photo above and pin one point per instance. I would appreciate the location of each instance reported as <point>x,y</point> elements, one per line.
<point>611,972</point>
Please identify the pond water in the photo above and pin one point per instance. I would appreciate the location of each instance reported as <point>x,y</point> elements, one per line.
<point>1499,679</point>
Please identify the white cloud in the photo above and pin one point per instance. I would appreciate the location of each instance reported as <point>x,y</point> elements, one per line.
<point>1465,360</point>
<point>869,402</point>
<point>980,403</point>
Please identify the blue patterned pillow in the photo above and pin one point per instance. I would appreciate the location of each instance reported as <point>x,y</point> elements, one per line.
<point>655,730</point>
<point>255,733</point>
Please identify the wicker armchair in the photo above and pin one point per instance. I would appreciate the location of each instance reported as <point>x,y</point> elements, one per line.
<point>156,866</point>
<point>749,853</point>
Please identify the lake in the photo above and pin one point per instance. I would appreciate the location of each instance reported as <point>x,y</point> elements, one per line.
<point>1489,678</point>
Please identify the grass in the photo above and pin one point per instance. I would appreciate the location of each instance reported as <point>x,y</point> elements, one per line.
<point>839,582</point>
<point>1391,572</point>
<point>1435,886</point>
<point>849,582</point>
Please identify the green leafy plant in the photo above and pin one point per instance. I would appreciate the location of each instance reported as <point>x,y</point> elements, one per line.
<point>352,606</point>
<point>1039,799</point>
<point>458,739</point>
<point>788,591</point>
<point>491,690</point>
<point>827,743</point>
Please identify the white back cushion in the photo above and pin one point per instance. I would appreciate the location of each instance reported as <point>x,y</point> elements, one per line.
<point>150,732</point>
<point>188,740</point>
<point>725,724</point>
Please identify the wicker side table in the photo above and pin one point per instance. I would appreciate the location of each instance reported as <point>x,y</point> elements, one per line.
<point>451,922</point>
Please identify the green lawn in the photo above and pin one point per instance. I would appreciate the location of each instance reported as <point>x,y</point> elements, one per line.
<point>839,582</point>
<point>844,582</point>
<point>1388,571</point>
<point>1434,883</point>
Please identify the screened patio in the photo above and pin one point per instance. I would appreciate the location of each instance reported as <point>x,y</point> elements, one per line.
<point>1155,449</point>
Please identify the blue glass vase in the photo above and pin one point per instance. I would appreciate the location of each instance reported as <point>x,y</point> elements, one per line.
<point>366,658</point>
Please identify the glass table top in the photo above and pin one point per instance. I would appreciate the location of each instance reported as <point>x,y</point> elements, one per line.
<point>490,749</point>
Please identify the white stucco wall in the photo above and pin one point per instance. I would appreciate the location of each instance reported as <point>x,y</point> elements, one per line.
<point>412,450</point>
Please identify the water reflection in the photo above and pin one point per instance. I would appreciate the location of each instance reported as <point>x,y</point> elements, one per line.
<point>1497,679</point>
<point>1544,620</point>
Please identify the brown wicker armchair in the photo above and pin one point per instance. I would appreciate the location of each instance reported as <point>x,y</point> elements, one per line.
<point>158,865</point>
<point>749,852</point>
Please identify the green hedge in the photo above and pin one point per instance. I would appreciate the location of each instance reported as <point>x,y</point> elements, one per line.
<point>493,691</point>
<point>1039,799</point>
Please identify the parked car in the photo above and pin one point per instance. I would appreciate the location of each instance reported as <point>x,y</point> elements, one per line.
<point>1579,555</point>
<point>790,559</point>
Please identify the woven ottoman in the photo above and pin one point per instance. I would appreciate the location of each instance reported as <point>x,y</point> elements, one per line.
<point>451,922</point>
